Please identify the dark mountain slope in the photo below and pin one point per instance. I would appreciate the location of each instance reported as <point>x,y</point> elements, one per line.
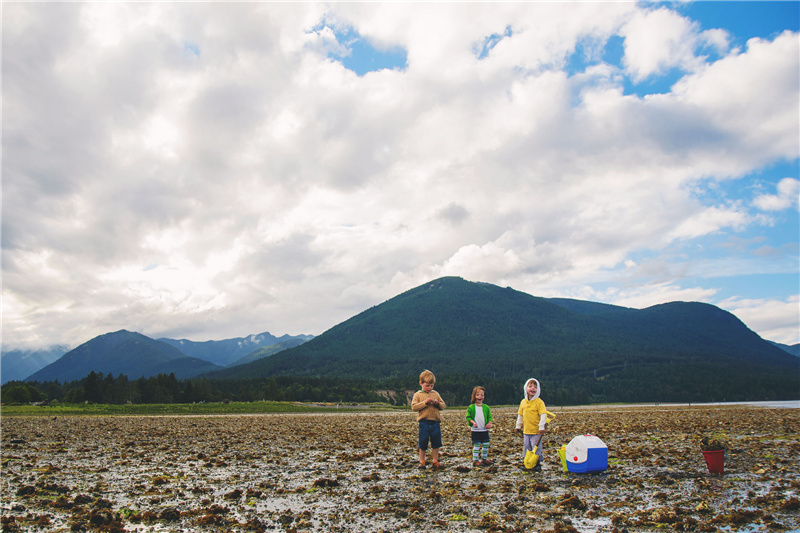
<point>463,327</point>
<point>584,351</point>
<point>122,352</point>
<point>682,329</point>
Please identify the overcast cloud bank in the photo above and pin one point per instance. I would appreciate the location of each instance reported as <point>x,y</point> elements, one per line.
<point>207,171</point>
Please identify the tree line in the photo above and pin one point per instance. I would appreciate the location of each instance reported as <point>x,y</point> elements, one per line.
<point>166,388</point>
<point>683,382</point>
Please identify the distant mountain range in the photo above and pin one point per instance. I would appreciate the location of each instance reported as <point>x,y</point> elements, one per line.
<point>794,349</point>
<point>239,350</point>
<point>16,365</point>
<point>135,355</point>
<point>458,329</point>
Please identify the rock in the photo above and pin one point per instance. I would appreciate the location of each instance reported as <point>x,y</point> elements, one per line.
<point>235,494</point>
<point>326,483</point>
<point>170,515</point>
<point>26,490</point>
<point>572,502</point>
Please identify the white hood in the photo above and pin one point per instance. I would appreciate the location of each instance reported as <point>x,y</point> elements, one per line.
<point>525,390</point>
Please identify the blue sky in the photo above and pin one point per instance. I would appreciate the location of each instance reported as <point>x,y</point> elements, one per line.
<point>209,171</point>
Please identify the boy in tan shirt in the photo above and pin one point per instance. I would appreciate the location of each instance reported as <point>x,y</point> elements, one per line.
<point>427,403</point>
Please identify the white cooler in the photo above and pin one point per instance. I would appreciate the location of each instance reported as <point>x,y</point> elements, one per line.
<point>584,453</point>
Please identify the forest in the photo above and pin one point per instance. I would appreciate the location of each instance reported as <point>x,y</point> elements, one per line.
<point>697,382</point>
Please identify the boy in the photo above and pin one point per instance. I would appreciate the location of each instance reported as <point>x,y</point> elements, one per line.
<point>531,419</point>
<point>427,403</point>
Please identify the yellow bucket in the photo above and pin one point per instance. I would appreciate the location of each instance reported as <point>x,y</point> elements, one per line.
<point>531,458</point>
<point>562,453</point>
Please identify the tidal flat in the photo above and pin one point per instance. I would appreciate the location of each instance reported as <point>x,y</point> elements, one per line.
<point>358,471</point>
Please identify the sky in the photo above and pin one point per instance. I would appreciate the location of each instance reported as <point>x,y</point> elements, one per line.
<point>214,170</point>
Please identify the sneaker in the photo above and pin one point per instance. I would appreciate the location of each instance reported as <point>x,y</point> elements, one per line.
<point>537,468</point>
<point>476,463</point>
<point>486,462</point>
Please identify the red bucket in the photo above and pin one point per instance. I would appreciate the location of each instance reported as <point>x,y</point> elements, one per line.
<point>715,460</point>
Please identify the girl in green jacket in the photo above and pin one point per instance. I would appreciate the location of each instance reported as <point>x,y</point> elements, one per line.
<point>479,418</point>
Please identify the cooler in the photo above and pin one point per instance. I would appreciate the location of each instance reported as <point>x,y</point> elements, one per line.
<point>584,453</point>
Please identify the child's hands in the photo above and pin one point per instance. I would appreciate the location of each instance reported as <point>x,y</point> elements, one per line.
<point>488,425</point>
<point>517,430</point>
<point>474,424</point>
<point>541,432</point>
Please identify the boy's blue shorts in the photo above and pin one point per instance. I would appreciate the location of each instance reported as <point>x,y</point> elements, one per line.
<point>430,430</point>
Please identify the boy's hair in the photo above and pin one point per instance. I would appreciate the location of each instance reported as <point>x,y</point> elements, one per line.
<point>427,377</point>
<point>475,391</point>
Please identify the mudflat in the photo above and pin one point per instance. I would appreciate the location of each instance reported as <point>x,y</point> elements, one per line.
<point>358,471</point>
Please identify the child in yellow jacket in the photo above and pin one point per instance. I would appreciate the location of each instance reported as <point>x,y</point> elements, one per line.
<point>531,420</point>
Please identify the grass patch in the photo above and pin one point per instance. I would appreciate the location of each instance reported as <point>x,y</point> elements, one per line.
<point>160,409</point>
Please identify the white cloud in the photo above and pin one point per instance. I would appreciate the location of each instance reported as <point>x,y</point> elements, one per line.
<point>773,319</point>
<point>751,115</point>
<point>786,197</point>
<point>658,40</point>
<point>208,170</point>
<point>656,294</point>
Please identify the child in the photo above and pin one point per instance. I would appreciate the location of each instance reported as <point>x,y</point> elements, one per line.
<point>531,419</point>
<point>427,403</point>
<point>479,417</point>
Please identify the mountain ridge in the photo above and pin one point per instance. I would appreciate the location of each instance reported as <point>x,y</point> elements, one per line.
<point>122,352</point>
<point>228,352</point>
<point>461,328</point>
<point>458,328</point>
<point>486,319</point>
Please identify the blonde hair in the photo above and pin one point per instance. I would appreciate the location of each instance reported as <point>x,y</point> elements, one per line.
<point>475,391</point>
<point>427,377</point>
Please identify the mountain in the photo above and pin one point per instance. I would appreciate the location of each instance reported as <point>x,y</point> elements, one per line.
<point>16,365</point>
<point>230,351</point>
<point>455,327</point>
<point>272,349</point>
<point>123,352</point>
<point>794,349</point>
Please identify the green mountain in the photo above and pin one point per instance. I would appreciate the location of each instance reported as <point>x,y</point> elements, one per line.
<point>583,351</point>
<point>122,352</point>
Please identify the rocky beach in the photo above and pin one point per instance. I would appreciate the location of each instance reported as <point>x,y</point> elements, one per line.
<point>353,470</point>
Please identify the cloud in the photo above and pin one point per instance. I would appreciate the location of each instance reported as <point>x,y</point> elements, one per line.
<point>657,294</point>
<point>659,40</point>
<point>773,319</point>
<point>453,213</point>
<point>255,183</point>
<point>786,197</point>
